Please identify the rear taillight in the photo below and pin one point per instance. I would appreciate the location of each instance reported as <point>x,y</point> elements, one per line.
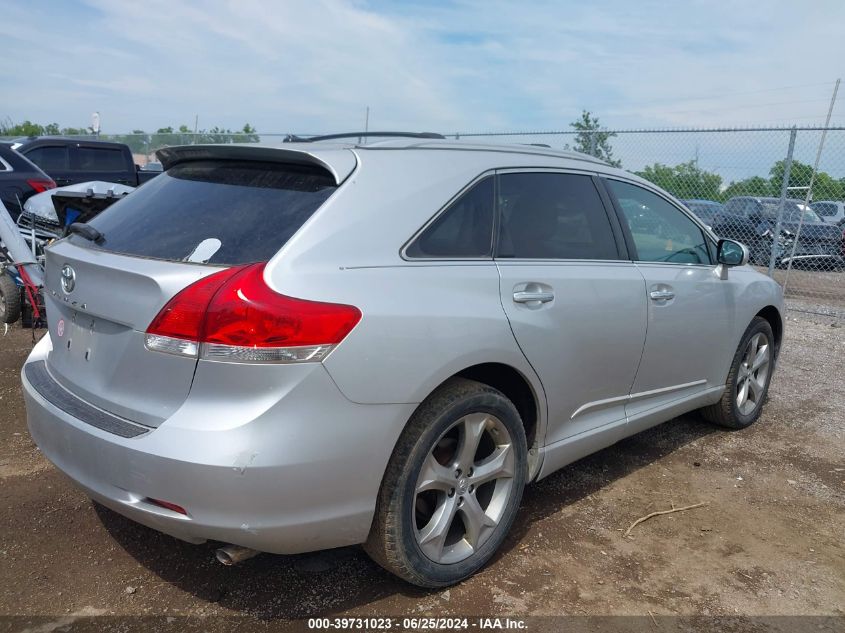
<point>41,185</point>
<point>234,316</point>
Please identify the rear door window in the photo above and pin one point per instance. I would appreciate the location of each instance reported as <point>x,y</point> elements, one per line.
<point>99,159</point>
<point>50,157</point>
<point>464,230</point>
<point>553,216</point>
<point>232,212</point>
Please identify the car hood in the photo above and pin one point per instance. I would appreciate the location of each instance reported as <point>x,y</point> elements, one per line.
<point>814,230</point>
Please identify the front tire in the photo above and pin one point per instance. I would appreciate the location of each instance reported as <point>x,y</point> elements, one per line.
<point>748,380</point>
<point>452,487</point>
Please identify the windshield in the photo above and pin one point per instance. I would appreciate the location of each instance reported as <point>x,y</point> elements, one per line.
<point>704,210</point>
<point>791,212</point>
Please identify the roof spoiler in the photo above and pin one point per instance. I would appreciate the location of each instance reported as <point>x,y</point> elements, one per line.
<point>338,162</point>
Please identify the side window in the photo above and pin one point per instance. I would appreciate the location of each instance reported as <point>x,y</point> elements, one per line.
<point>465,229</point>
<point>553,216</point>
<point>661,231</point>
<point>732,206</point>
<point>752,208</point>
<point>50,157</point>
<point>99,159</point>
<point>824,209</point>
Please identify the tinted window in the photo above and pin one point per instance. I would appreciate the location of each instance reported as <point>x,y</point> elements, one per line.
<point>465,229</point>
<point>661,231</point>
<point>733,206</point>
<point>824,209</point>
<point>49,158</point>
<point>553,216</point>
<point>100,159</point>
<point>251,208</point>
<point>704,211</point>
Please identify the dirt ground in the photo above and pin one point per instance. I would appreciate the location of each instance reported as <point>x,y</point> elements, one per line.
<point>769,540</point>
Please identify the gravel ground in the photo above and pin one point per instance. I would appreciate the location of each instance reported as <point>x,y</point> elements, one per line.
<point>768,542</point>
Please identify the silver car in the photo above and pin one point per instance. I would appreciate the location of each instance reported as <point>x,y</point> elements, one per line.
<point>320,345</point>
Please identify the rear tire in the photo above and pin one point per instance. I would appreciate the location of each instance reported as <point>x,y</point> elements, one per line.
<point>10,299</point>
<point>748,381</point>
<point>452,487</point>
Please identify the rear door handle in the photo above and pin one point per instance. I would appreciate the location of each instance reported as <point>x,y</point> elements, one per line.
<point>661,295</point>
<point>528,297</point>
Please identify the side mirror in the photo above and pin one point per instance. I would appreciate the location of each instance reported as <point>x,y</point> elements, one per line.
<point>729,254</point>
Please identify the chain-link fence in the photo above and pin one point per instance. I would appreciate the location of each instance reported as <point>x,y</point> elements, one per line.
<point>755,185</point>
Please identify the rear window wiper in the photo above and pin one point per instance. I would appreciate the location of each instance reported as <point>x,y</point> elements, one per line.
<point>87,231</point>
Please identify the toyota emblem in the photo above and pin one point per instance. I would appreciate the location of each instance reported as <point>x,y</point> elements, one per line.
<point>68,279</point>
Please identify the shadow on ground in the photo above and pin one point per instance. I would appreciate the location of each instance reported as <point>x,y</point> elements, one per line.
<point>308,585</point>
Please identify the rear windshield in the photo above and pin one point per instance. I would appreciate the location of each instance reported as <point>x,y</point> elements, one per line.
<point>216,212</point>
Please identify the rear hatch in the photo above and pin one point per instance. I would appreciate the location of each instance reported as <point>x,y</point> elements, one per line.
<point>206,213</point>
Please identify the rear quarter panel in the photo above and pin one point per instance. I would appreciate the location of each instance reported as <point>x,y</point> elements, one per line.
<point>423,321</point>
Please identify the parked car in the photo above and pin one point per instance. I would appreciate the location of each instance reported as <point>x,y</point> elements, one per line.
<point>40,213</point>
<point>831,211</point>
<point>752,221</point>
<point>19,179</point>
<point>387,344</point>
<point>71,161</point>
<point>705,210</point>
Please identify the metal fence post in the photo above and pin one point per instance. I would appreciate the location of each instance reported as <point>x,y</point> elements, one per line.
<point>787,168</point>
<point>593,143</point>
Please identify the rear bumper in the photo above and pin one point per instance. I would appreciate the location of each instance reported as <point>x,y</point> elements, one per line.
<point>286,470</point>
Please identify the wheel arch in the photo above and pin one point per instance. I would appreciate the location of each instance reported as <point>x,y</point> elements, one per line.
<point>775,319</point>
<point>516,387</point>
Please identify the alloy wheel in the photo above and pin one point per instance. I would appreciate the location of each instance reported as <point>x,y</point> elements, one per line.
<point>463,488</point>
<point>753,373</point>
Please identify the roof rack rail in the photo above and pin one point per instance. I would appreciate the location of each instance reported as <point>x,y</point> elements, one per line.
<point>293,138</point>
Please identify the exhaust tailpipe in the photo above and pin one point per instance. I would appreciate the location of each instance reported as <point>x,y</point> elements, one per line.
<point>234,554</point>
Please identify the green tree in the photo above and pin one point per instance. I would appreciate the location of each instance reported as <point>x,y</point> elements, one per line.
<point>686,180</point>
<point>591,139</point>
<point>754,186</point>
<point>825,187</point>
<point>27,128</point>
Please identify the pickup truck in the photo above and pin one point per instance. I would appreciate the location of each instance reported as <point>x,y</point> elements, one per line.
<point>70,161</point>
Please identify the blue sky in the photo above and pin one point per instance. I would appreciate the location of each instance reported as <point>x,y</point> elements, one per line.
<point>313,66</point>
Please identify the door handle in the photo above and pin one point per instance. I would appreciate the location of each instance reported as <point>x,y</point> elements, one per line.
<point>661,295</point>
<point>528,297</point>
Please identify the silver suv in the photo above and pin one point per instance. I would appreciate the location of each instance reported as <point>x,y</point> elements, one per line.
<point>312,346</point>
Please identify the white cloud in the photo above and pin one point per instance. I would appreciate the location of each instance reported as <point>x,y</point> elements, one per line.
<point>311,66</point>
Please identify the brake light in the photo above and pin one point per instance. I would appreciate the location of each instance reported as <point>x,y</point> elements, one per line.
<point>40,185</point>
<point>234,316</point>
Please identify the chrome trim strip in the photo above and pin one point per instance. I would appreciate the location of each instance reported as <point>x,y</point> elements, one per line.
<point>634,396</point>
